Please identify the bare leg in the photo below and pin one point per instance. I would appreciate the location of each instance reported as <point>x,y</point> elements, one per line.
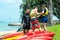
<point>40,27</point>
<point>33,30</point>
<point>27,30</point>
<point>24,31</point>
<point>44,25</point>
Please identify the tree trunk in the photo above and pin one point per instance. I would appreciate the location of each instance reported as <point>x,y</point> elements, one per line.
<point>50,6</point>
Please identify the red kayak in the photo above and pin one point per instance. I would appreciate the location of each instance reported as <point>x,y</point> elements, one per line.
<point>44,37</point>
<point>30,33</point>
<point>38,32</point>
<point>36,38</point>
<point>43,33</point>
<point>12,35</point>
<point>37,35</point>
<point>32,36</point>
<point>46,34</point>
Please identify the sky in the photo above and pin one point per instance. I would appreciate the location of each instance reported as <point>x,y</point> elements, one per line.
<point>9,10</point>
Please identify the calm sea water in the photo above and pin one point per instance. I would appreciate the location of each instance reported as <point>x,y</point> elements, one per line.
<point>5,27</point>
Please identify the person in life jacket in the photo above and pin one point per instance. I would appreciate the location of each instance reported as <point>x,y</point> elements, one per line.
<point>34,21</point>
<point>44,16</point>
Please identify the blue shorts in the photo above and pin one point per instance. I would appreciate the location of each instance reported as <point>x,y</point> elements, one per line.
<point>44,19</point>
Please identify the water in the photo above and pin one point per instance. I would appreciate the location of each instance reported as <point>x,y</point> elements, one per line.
<point>9,12</point>
<point>5,27</point>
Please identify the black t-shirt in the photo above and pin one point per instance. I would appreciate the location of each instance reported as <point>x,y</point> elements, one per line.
<point>26,19</point>
<point>44,10</point>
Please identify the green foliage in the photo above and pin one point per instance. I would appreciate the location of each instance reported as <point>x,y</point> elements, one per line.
<point>31,3</point>
<point>56,8</point>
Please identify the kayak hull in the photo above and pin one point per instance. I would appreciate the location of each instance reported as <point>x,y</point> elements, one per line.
<point>37,35</point>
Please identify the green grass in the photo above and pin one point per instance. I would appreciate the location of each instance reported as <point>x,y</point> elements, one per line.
<point>56,29</point>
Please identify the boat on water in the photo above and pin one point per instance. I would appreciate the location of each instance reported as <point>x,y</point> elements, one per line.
<point>14,24</point>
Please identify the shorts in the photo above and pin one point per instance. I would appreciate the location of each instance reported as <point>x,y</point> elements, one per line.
<point>26,26</point>
<point>35,23</point>
<point>44,19</point>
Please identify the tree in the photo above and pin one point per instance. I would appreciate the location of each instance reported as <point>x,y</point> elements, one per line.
<point>56,9</point>
<point>30,3</point>
<point>50,6</point>
<point>56,5</point>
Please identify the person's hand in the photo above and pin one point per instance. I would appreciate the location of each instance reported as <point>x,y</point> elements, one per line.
<point>38,16</point>
<point>21,24</point>
<point>40,13</point>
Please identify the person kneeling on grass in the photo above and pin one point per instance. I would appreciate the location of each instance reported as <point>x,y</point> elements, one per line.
<point>26,21</point>
<point>34,21</point>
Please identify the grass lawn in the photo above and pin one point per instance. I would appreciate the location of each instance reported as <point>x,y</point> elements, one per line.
<point>56,29</point>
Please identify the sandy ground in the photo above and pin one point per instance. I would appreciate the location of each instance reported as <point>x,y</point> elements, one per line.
<point>6,32</point>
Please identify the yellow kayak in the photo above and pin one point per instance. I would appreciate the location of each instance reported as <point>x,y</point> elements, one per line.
<point>14,37</point>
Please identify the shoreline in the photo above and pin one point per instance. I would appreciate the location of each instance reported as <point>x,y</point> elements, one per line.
<point>6,32</point>
<point>3,33</point>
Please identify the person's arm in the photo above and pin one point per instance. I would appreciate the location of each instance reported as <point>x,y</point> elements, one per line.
<point>42,12</point>
<point>22,20</point>
<point>36,12</point>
